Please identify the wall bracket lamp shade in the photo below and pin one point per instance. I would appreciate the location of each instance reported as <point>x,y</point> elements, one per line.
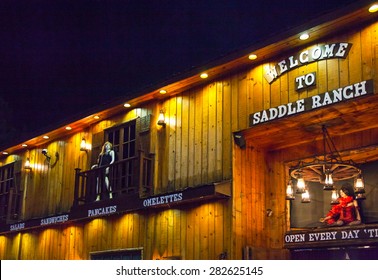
<point>48,157</point>
<point>27,164</point>
<point>161,119</point>
<point>46,154</point>
<point>84,145</point>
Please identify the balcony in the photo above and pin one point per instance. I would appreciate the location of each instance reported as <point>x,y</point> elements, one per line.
<point>132,176</point>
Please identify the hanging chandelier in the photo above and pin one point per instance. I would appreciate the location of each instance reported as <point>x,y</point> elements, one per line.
<point>326,170</point>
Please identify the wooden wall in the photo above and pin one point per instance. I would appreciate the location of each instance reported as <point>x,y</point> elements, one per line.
<point>197,232</point>
<point>259,189</point>
<point>49,186</point>
<point>195,146</point>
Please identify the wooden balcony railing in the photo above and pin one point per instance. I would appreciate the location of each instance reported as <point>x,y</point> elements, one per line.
<point>129,176</point>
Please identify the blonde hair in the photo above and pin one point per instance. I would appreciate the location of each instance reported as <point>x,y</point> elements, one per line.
<point>103,147</point>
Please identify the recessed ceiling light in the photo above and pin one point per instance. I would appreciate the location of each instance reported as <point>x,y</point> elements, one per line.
<point>304,36</point>
<point>252,56</point>
<point>127,105</point>
<point>68,128</point>
<point>96,117</point>
<point>24,145</point>
<point>373,8</point>
<point>162,91</point>
<point>45,137</point>
<point>204,75</point>
<point>5,153</point>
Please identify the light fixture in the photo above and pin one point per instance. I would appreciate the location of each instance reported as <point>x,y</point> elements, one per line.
<point>27,164</point>
<point>359,187</point>
<point>48,157</point>
<point>328,181</point>
<point>161,119</point>
<point>306,197</point>
<point>373,8</point>
<point>46,154</point>
<point>127,105</point>
<point>334,197</point>
<point>204,75</point>
<point>162,91</point>
<point>84,145</point>
<point>327,169</point>
<point>304,36</point>
<point>68,128</point>
<point>290,191</point>
<point>252,56</point>
<point>239,140</point>
<point>301,185</point>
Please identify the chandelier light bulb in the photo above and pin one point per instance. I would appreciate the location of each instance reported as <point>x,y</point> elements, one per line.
<point>328,178</point>
<point>301,185</point>
<point>334,197</point>
<point>290,191</point>
<point>359,186</point>
<point>306,197</point>
<point>328,181</point>
<point>359,183</point>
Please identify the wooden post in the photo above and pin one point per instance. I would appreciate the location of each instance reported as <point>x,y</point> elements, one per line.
<point>76,192</point>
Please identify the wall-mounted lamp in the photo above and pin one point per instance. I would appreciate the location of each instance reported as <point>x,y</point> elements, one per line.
<point>161,119</point>
<point>27,164</point>
<point>239,140</point>
<point>48,157</point>
<point>46,154</point>
<point>84,145</point>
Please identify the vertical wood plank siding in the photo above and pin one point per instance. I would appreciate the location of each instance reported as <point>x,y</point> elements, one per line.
<point>195,148</point>
<point>161,234</point>
<point>198,134</point>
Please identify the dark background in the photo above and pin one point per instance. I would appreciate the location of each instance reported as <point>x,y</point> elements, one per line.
<point>59,58</point>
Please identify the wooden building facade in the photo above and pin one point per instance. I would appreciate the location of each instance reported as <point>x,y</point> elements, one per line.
<point>208,181</point>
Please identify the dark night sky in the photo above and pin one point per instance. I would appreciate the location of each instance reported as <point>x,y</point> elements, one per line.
<point>58,58</point>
